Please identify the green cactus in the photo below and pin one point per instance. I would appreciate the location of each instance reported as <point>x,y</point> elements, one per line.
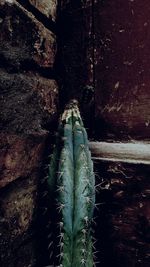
<point>71,175</point>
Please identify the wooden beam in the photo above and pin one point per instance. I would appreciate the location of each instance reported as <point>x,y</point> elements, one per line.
<point>136,153</point>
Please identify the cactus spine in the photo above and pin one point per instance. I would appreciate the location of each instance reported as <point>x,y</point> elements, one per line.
<point>71,175</point>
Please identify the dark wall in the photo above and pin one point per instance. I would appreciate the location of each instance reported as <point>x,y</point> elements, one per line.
<point>76,55</point>
<point>28,103</point>
<point>122,42</point>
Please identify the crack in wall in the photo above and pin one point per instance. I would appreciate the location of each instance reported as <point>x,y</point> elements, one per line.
<point>47,22</point>
<point>46,72</point>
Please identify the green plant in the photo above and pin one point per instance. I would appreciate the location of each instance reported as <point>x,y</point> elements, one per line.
<point>71,176</point>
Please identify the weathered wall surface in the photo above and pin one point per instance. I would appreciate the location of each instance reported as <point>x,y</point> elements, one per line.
<point>28,110</point>
<point>123,220</point>
<point>105,55</point>
<point>48,8</point>
<point>122,40</point>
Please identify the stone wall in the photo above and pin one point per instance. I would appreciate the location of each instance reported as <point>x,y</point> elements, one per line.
<point>29,102</point>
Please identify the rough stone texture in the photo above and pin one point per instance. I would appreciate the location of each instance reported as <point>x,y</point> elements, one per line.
<point>47,7</point>
<point>28,102</point>
<point>122,40</point>
<point>20,156</point>
<point>17,211</point>
<point>24,41</point>
<point>124,214</point>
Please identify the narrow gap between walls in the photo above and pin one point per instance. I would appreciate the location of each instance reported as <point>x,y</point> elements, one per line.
<point>93,56</point>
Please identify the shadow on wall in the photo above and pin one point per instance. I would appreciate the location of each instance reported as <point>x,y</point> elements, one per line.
<point>75,57</point>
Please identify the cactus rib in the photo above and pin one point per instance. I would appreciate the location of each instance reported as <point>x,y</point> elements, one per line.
<point>71,163</point>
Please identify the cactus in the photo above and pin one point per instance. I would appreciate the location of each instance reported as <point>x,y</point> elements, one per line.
<point>71,176</point>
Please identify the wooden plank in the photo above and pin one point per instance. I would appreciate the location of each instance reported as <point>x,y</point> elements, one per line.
<point>136,153</point>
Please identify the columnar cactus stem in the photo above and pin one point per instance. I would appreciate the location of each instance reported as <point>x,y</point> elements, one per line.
<point>71,171</point>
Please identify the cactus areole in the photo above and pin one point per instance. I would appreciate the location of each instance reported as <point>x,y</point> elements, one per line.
<point>71,176</point>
